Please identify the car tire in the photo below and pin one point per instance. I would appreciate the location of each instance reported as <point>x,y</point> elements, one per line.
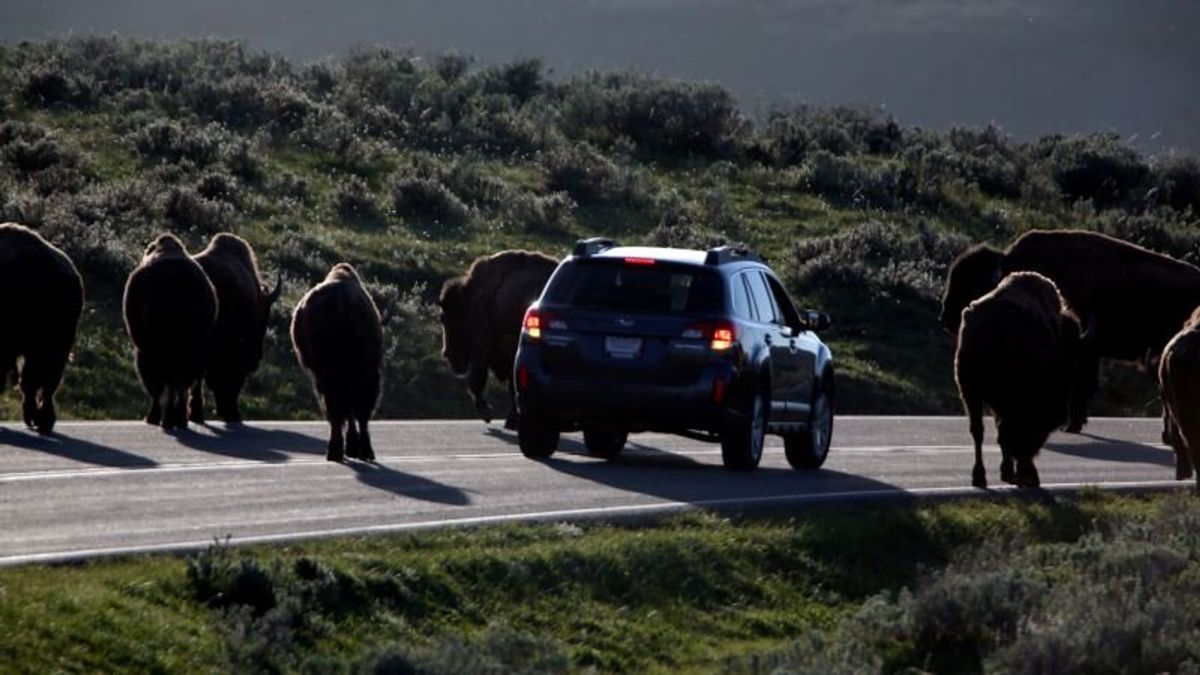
<point>606,444</point>
<point>744,437</point>
<point>536,438</point>
<point>809,448</point>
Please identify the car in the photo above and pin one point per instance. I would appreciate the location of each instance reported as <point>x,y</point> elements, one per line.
<point>704,344</point>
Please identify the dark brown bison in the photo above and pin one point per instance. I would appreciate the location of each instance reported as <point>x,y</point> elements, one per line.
<point>245,305</point>
<point>1017,352</point>
<point>338,337</point>
<point>1129,300</point>
<point>41,297</point>
<point>481,319</point>
<point>1179,382</point>
<point>170,314</point>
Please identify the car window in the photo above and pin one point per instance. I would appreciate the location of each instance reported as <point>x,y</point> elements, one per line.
<point>787,310</point>
<point>742,307</point>
<point>767,313</point>
<point>616,285</point>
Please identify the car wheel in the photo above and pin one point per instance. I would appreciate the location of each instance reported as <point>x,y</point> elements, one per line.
<point>537,439</point>
<point>606,444</point>
<point>742,441</point>
<point>808,449</point>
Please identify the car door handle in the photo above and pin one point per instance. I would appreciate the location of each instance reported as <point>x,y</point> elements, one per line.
<point>768,338</point>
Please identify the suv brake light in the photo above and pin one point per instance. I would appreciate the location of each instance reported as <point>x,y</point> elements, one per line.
<point>639,261</point>
<point>536,321</point>
<point>532,324</point>
<point>720,334</point>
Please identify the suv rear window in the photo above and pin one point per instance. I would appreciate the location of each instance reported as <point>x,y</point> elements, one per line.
<point>620,286</point>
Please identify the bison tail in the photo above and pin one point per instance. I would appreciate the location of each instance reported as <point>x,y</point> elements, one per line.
<point>278,290</point>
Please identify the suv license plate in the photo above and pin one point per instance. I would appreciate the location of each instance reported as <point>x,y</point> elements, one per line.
<point>622,347</point>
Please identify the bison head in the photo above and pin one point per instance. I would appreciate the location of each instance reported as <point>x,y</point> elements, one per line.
<point>456,331</point>
<point>165,244</point>
<point>973,274</point>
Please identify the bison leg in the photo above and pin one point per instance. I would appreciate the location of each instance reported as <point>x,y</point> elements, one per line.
<point>365,451</point>
<point>154,384</point>
<point>476,381</point>
<point>510,421</point>
<point>1087,378</point>
<point>195,404</point>
<point>29,389</point>
<point>1027,473</point>
<point>43,372</point>
<point>978,473</point>
<point>337,422</point>
<point>352,439</point>
<point>1008,471</point>
<point>175,416</point>
<point>226,394</point>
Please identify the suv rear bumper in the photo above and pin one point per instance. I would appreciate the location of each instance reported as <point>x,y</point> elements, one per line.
<point>572,403</point>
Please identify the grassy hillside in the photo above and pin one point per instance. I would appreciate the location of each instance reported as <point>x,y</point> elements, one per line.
<point>410,168</point>
<point>1090,584</point>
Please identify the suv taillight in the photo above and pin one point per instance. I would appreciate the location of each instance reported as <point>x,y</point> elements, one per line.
<point>536,321</point>
<point>532,324</point>
<point>721,335</point>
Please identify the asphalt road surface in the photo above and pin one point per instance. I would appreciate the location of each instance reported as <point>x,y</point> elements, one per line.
<point>97,488</point>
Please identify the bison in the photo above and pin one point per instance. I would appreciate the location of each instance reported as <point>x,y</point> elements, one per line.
<point>245,305</point>
<point>481,319</point>
<point>170,311</point>
<point>338,337</point>
<point>1179,382</point>
<point>41,296</point>
<point>1129,300</point>
<point>1017,352</point>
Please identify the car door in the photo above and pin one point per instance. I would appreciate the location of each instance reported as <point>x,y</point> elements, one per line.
<point>803,345</point>
<point>783,357</point>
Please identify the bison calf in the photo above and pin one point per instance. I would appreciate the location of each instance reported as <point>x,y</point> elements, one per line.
<point>338,337</point>
<point>170,313</point>
<point>245,305</point>
<point>481,319</point>
<point>1017,353</point>
<point>1179,382</point>
<point>41,297</point>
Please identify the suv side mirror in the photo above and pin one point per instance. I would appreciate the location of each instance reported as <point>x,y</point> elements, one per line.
<point>816,320</point>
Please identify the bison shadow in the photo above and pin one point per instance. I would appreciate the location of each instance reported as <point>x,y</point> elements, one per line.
<point>61,445</point>
<point>408,485</point>
<point>247,442</point>
<point>1115,450</point>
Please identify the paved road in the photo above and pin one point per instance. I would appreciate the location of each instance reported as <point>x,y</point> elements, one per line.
<point>104,487</point>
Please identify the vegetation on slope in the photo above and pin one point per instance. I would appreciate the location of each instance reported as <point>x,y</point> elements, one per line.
<point>1088,584</point>
<point>410,168</point>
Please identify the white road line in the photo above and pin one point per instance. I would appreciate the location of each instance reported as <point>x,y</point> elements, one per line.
<point>630,510</point>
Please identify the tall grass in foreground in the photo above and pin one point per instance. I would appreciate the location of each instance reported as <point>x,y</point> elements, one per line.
<point>1088,584</point>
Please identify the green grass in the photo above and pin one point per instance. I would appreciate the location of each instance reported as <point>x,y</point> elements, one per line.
<point>691,594</point>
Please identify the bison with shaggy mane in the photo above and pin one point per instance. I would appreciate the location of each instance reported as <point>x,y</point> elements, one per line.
<point>245,305</point>
<point>1017,352</point>
<point>338,336</point>
<point>170,311</point>
<point>1130,300</point>
<point>41,294</point>
<point>481,319</point>
<point>1179,382</point>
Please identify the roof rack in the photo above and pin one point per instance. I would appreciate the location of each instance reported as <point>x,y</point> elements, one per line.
<point>727,254</point>
<point>589,247</point>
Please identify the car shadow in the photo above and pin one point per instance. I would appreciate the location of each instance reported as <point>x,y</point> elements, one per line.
<point>407,485</point>
<point>77,449</point>
<point>1115,450</point>
<point>243,441</point>
<point>681,478</point>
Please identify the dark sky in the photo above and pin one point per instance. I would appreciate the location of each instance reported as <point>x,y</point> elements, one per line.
<point>1032,66</point>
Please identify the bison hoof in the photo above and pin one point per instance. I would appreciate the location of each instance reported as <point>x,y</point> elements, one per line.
<point>1007,473</point>
<point>154,418</point>
<point>979,478</point>
<point>44,421</point>
<point>196,416</point>
<point>1074,426</point>
<point>1028,479</point>
<point>1183,471</point>
<point>510,422</point>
